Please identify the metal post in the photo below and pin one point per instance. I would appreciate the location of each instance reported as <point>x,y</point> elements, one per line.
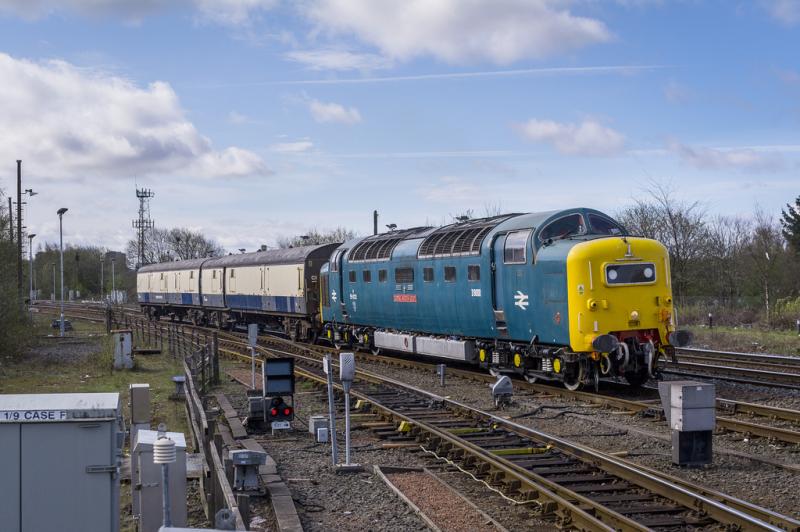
<point>54,281</point>
<point>102,278</point>
<point>347,427</point>
<point>10,220</point>
<point>252,368</point>
<point>30,263</point>
<point>710,321</point>
<point>165,494</point>
<point>374,222</point>
<point>113,281</point>
<point>440,369</point>
<point>331,411</point>
<point>61,212</point>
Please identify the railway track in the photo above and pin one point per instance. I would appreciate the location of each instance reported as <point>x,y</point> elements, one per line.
<point>576,486</point>
<point>727,409</point>
<point>748,368</point>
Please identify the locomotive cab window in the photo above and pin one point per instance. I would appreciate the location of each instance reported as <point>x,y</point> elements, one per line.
<point>352,276</point>
<point>564,227</point>
<point>382,276</point>
<point>473,272</point>
<point>626,274</point>
<point>367,276</point>
<point>515,248</point>
<point>449,274</point>
<point>603,226</point>
<point>427,275</point>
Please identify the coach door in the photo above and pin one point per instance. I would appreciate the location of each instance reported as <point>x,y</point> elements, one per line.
<point>509,290</point>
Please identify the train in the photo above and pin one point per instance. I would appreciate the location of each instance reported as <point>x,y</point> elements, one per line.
<point>566,295</point>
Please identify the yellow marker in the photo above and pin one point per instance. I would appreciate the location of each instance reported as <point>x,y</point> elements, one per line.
<point>557,365</point>
<point>482,355</point>
<point>517,360</point>
<point>404,426</point>
<point>329,333</point>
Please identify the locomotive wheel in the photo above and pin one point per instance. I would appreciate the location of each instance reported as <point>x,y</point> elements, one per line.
<point>636,378</point>
<point>574,382</point>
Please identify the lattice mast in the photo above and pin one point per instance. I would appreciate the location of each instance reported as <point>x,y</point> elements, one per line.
<point>143,223</point>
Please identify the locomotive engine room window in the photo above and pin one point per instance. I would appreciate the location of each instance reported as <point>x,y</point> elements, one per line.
<point>366,275</point>
<point>449,274</point>
<point>473,272</point>
<point>516,244</point>
<point>352,276</point>
<point>427,275</point>
<point>403,275</point>
<point>603,226</point>
<point>570,225</point>
<point>382,276</point>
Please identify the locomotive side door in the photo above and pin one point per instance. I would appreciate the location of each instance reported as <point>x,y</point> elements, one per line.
<point>509,290</point>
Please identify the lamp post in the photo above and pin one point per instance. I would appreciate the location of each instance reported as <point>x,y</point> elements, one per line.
<point>30,263</point>
<point>113,281</point>
<point>61,212</point>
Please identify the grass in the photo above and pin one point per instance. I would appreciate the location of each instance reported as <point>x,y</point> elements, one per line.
<point>746,339</point>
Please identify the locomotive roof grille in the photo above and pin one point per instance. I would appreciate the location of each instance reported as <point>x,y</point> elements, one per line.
<point>380,247</point>
<point>459,239</point>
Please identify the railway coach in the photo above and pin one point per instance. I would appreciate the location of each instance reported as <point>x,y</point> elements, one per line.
<point>278,289</point>
<point>563,295</point>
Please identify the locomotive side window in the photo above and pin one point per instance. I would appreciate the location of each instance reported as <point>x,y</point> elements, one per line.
<point>367,276</point>
<point>515,246</point>
<point>403,275</point>
<point>352,276</point>
<point>603,226</point>
<point>449,274</point>
<point>563,227</point>
<point>382,276</point>
<point>473,272</point>
<point>427,275</point>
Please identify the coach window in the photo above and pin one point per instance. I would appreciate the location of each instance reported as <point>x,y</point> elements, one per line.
<point>382,276</point>
<point>449,274</point>
<point>516,244</point>
<point>473,272</point>
<point>352,276</point>
<point>427,275</point>
<point>366,275</point>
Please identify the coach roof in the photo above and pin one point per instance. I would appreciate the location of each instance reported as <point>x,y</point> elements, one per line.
<point>295,255</point>
<point>190,264</point>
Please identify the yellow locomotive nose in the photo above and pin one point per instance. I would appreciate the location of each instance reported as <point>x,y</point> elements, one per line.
<point>618,284</point>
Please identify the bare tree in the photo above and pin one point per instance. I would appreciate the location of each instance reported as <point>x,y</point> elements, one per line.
<point>314,236</point>
<point>179,243</point>
<point>493,208</point>
<point>766,251</point>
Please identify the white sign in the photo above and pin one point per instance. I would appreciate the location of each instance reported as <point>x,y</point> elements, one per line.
<point>521,300</point>
<point>23,416</point>
<point>252,334</point>
<point>277,425</point>
<point>476,292</point>
<point>325,365</point>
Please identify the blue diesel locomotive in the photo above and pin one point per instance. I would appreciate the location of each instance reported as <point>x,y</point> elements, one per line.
<point>563,295</point>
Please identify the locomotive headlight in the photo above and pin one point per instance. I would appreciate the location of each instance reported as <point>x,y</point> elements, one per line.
<point>648,273</point>
<point>612,275</point>
<point>635,315</point>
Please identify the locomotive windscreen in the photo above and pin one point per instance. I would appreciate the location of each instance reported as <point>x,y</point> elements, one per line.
<point>639,273</point>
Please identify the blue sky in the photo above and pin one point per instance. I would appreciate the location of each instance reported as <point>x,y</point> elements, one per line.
<point>256,119</point>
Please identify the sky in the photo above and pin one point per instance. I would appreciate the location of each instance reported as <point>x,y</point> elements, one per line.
<point>252,120</point>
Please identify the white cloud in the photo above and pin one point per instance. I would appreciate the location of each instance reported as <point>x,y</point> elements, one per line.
<point>587,138</point>
<point>237,118</point>
<point>677,93</point>
<point>299,146</point>
<point>333,112</point>
<point>787,12</point>
<point>71,122</point>
<point>460,31</point>
<point>452,189</point>
<point>329,59</point>
<point>225,12</point>
<point>745,159</point>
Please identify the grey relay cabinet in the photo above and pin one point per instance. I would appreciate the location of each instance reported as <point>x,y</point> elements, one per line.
<point>59,458</point>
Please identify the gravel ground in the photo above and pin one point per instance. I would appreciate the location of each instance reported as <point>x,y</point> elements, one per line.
<point>613,432</point>
<point>361,501</point>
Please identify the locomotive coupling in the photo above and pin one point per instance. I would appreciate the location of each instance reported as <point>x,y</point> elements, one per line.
<point>680,338</point>
<point>605,343</point>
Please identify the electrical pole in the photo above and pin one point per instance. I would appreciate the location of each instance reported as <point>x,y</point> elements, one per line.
<point>19,230</point>
<point>374,222</point>
<point>10,220</point>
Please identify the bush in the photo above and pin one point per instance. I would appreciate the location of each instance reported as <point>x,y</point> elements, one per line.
<point>786,313</point>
